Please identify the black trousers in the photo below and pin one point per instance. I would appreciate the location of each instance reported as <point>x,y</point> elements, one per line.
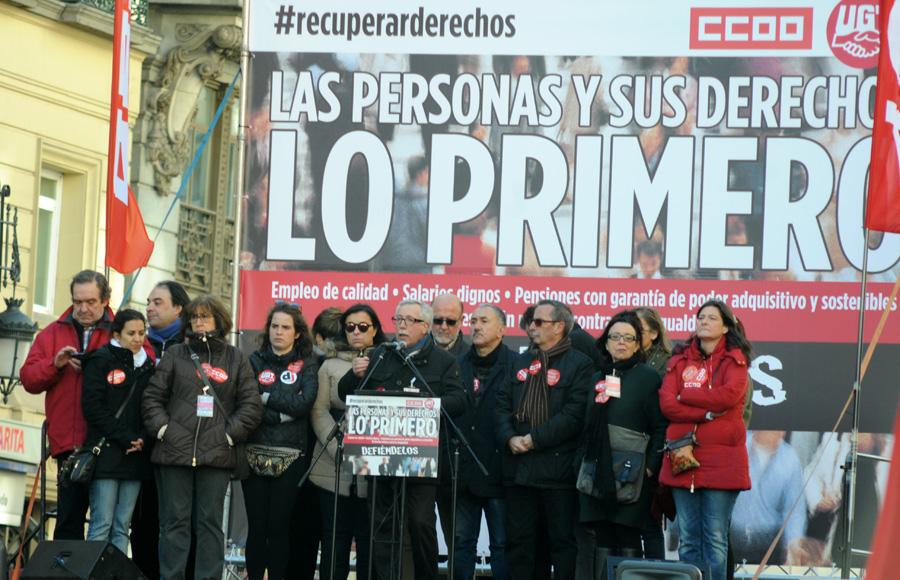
<point>352,523</point>
<point>270,503</point>
<point>421,523</point>
<point>71,508</point>
<point>527,505</point>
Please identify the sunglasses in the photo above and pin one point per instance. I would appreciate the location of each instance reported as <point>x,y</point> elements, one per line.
<point>449,321</point>
<point>362,326</point>
<point>292,305</point>
<point>539,322</point>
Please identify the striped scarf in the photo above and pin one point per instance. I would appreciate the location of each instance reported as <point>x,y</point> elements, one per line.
<point>534,406</point>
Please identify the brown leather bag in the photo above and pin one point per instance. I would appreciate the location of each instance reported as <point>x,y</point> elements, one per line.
<point>681,452</point>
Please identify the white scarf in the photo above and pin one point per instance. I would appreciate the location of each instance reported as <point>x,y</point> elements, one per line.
<point>139,359</point>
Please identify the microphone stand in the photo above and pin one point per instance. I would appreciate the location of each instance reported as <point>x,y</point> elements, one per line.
<point>461,439</point>
<point>338,433</point>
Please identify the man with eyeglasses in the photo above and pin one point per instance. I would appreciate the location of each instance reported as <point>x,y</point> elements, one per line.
<point>447,323</point>
<point>539,418</point>
<point>441,371</point>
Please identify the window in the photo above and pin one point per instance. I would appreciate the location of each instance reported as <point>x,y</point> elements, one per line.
<point>46,252</point>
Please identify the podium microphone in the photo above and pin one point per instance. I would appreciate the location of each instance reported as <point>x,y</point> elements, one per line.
<point>399,345</point>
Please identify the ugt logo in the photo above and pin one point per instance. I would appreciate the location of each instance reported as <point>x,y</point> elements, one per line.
<point>853,33</point>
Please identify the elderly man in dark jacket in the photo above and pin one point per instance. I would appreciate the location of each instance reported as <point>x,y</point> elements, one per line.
<point>441,371</point>
<point>539,419</point>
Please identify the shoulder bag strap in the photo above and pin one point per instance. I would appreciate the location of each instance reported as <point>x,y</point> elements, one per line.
<point>99,446</point>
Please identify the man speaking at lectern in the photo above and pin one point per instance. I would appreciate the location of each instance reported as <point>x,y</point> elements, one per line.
<point>441,371</point>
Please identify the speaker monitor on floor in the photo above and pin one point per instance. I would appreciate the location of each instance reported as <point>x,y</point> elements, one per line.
<point>637,569</point>
<point>92,560</point>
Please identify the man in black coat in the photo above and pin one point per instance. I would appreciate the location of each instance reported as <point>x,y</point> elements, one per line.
<point>539,419</point>
<point>484,368</point>
<point>441,371</point>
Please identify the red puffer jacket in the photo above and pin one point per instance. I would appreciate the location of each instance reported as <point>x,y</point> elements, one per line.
<point>694,384</point>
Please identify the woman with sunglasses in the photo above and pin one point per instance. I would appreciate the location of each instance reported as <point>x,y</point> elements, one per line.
<point>625,394</point>
<point>362,333</point>
<point>197,433</point>
<point>286,373</point>
<point>703,393</point>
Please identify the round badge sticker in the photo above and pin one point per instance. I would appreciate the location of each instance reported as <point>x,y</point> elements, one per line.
<point>266,377</point>
<point>535,367</point>
<point>296,366</point>
<point>116,377</point>
<point>701,376</point>
<point>476,384</point>
<point>214,373</point>
<point>689,373</point>
<point>288,378</point>
<point>522,374</point>
<point>552,377</point>
<point>602,396</point>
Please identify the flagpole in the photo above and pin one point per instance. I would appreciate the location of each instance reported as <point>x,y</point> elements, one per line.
<point>241,195</point>
<point>850,503</point>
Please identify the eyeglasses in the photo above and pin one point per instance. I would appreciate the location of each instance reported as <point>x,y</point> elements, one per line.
<point>203,317</point>
<point>292,305</point>
<point>362,326</point>
<point>616,337</point>
<point>405,320</point>
<point>449,321</point>
<point>539,322</point>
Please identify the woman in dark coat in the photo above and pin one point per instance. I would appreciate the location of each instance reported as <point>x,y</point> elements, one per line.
<point>287,375</point>
<point>618,525</point>
<point>197,437</point>
<point>117,374</point>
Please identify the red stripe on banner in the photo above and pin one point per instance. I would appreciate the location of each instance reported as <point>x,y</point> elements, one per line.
<point>883,205</point>
<point>772,311</point>
<point>127,245</point>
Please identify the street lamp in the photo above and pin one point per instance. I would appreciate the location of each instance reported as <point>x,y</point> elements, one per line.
<point>16,329</point>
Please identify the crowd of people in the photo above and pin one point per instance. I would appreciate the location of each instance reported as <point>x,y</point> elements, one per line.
<point>176,412</point>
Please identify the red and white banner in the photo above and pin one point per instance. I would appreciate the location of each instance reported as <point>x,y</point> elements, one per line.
<point>883,205</point>
<point>127,245</point>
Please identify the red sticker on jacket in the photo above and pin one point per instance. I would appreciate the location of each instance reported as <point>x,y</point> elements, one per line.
<point>701,376</point>
<point>115,377</point>
<point>214,373</point>
<point>476,384</point>
<point>266,377</point>
<point>552,377</point>
<point>522,374</point>
<point>535,367</point>
<point>602,396</point>
<point>296,366</point>
<point>689,373</point>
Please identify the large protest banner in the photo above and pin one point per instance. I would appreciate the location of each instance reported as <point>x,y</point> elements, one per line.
<point>607,155</point>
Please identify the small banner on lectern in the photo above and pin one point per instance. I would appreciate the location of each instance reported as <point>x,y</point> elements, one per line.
<point>392,435</point>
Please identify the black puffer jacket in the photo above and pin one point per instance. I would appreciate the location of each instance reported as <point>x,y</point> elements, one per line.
<point>108,375</point>
<point>171,401</point>
<point>549,464</point>
<point>292,383</point>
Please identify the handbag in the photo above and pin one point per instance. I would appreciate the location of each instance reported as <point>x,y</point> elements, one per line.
<point>242,465</point>
<point>629,456</point>
<point>78,467</point>
<point>270,461</point>
<point>681,452</point>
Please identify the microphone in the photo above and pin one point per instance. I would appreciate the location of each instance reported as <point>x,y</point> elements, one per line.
<point>399,345</point>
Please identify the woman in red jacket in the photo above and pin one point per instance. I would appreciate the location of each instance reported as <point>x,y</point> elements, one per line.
<point>704,390</point>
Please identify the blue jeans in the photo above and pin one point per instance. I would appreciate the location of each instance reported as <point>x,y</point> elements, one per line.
<point>704,518</point>
<point>468,527</point>
<point>112,503</point>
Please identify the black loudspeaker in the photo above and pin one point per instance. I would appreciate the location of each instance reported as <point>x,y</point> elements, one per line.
<point>68,559</point>
<point>619,568</point>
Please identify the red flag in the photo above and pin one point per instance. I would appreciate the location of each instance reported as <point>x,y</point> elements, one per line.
<point>882,563</point>
<point>127,245</point>
<point>883,206</point>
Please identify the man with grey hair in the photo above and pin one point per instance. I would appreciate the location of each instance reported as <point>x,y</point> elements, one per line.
<point>539,418</point>
<point>447,323</point>
<point>441,371</point>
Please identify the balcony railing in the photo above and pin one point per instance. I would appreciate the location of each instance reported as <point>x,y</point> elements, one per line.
<point>138,8</point>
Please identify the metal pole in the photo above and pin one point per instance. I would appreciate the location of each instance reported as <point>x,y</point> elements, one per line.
<point>850,503</point>
<point>242,146</point>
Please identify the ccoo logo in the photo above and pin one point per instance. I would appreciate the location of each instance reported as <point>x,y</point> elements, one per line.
<point>853,33</point>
